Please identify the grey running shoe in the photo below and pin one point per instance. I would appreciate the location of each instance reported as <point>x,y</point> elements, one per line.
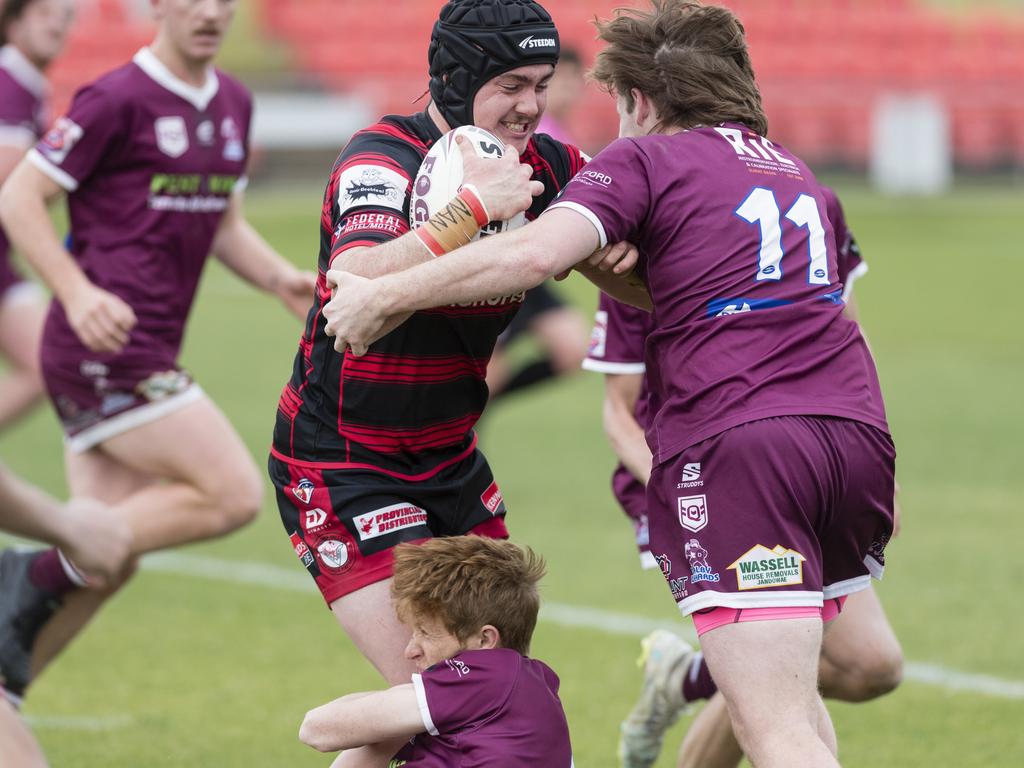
<point>24,609</point>
<point>664,657</point>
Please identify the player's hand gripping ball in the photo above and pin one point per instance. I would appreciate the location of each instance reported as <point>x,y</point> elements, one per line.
<point>441,175</point>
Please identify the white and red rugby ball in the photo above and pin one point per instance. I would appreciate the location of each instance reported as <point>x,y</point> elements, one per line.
<point>440,176</point>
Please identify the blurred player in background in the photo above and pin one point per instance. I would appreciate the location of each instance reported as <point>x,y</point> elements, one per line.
<point>762,384</point>
<point>860,656</point>
<point>32,35</point>
<point>91,533</point>
<point>470,604</point>
<point>374,451</point>
<point>152,158</point>
<point>558,329</point>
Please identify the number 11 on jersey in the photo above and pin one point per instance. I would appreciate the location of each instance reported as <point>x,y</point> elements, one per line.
<point>762,208</point>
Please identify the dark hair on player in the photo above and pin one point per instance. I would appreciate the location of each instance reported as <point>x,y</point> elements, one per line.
<point>10,11</point>
<point>466,582</point>
<point>689,59</point>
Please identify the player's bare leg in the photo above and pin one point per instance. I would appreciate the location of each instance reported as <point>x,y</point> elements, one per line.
<point>709,741</point>
<point>20,749</point>
<point>563,333</point>
<point>369,620</point>
<point>861,658</point>
<point>768,673</point>
<point>214,488</point>
<point>21,327</point>
<point>95,475</point>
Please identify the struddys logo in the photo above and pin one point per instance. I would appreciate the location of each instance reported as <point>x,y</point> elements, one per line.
<point>763,568</point>
<point>335,554</point>
<point>691,476</point>
<point>391,519</point>
<point>303,490</point>
<point>693,512</point>
<point>61,139</point>
<point>697,557</point>
<point>532,43</point>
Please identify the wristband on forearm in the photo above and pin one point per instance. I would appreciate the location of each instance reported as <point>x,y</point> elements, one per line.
<point>456,224</point>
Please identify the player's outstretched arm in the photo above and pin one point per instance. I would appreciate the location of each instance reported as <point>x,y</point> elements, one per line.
<point>101,320</point>
<point>363,719</point>
<point>621,392</point>
<point>243,250</point>
<point>498,266</point>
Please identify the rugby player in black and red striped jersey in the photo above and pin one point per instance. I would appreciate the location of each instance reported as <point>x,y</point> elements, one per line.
<point>373,451</point>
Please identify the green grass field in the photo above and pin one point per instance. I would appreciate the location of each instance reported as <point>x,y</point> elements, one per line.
<point>190,668</point>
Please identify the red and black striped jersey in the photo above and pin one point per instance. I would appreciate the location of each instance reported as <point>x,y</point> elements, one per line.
<point>408,406</point>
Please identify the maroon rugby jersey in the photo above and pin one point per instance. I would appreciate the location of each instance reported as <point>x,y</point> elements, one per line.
<point>23,92</point>
<point>149,163</point>
<point>408,406</point>
<point>742,267</point>
<point>489,709</point>
<point>620,334</point>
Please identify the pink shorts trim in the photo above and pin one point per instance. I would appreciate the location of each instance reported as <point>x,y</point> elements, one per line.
<point>714,618</point>
<point>832,608</point>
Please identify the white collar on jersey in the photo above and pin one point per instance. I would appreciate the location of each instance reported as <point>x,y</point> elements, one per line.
<point>199,98</point>
<point>24,71</point>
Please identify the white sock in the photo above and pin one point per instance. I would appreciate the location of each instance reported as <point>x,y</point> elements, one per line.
<point>70,571</point>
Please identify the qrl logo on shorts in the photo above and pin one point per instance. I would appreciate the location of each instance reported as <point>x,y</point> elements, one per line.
<point>693,512</point>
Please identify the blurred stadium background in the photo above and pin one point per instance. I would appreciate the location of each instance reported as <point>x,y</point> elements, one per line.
<point>212,656</point>
<point>824,65</point>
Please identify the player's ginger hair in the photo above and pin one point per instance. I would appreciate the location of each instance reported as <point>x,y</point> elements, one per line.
<point>467,582</point>
<point>689,59</point>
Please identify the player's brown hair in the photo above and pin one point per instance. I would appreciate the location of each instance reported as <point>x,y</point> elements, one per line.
<point>466,582</point>
<point>689,59</point>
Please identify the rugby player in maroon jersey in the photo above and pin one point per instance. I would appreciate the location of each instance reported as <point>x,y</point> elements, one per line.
<point>152,158</point>
<point>860,656</point>
<point>759,377</point>
<point>32,35</point>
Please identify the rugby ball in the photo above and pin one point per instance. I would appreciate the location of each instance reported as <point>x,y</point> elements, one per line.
<point>440,176</point>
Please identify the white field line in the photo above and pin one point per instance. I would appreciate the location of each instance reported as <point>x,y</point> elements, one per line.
<point>78,722</point>
<point>564,614</point>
